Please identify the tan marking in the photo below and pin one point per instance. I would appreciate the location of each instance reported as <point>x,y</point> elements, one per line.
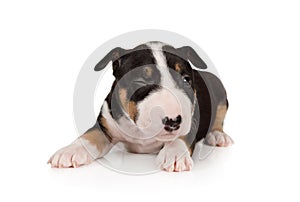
<point>98,139</point>
<point>123,98</point>
<point>220,116</point>
<point>105,125</point>
<point>132,110</point>
<point>148,71</point>
<point>129,107</point>
<point>195,100</point>
<point>104,122</point>
<point>178,67</point>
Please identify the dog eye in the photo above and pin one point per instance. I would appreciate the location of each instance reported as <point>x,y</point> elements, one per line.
<point>139,82</point>
<point>186,79</point>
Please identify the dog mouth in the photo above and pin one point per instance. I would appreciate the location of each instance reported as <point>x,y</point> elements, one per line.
<point>169,136</point>
<point>171,128</point>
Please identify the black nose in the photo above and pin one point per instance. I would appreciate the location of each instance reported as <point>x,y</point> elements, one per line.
<point>171,124</point>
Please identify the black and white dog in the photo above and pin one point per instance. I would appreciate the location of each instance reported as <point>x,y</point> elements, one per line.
<point>157,104</point>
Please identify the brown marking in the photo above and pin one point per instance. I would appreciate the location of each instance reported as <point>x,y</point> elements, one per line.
<point>132,110</point>
<point>148,71</point>
<point>107,130</point>
<point>104,122</point>
<point>195,98</point>
<point>129,107</point>
<point>98,139</point>
<point>123,98</point>
<point>178,67</point>
<point>220,116</point>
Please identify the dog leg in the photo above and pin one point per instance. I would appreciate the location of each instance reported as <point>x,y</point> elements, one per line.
<point>175,157</point>
<point>217,137</point>
<point>91,145</point>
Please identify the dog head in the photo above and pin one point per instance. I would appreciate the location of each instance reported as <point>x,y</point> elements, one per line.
<point>154,85</point>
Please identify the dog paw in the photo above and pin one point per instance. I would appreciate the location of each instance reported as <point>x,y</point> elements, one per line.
<point>218,138</point>
<point>74,155</point>
<point>175,157</point>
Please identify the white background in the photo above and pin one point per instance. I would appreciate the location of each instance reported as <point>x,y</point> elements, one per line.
<point>253,44</point>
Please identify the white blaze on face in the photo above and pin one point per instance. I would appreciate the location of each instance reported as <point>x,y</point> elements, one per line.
<point>169,101</point>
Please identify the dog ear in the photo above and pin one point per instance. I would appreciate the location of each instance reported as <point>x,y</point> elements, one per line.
<point>113,55</point>
<point>190,54</point>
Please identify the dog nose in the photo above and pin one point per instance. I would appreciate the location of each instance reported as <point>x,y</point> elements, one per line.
<point>171,124</point>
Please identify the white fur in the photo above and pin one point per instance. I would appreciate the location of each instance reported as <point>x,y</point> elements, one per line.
<point>126,131</point>
<point>169,101</point>
<point>164,103</point>
<point>166,78</point>
<point>218,138</point>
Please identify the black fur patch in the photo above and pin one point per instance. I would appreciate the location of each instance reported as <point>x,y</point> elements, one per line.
<point>138,85</point>
<point>186,72</point>
<point>143,92</point>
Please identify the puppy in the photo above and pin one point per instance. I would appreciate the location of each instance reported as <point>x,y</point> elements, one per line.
<point>158,104</point>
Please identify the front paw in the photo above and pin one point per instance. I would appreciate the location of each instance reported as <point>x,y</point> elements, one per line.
<point>218,138</point>
<point>73,155</point>
<point>175,157</point>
